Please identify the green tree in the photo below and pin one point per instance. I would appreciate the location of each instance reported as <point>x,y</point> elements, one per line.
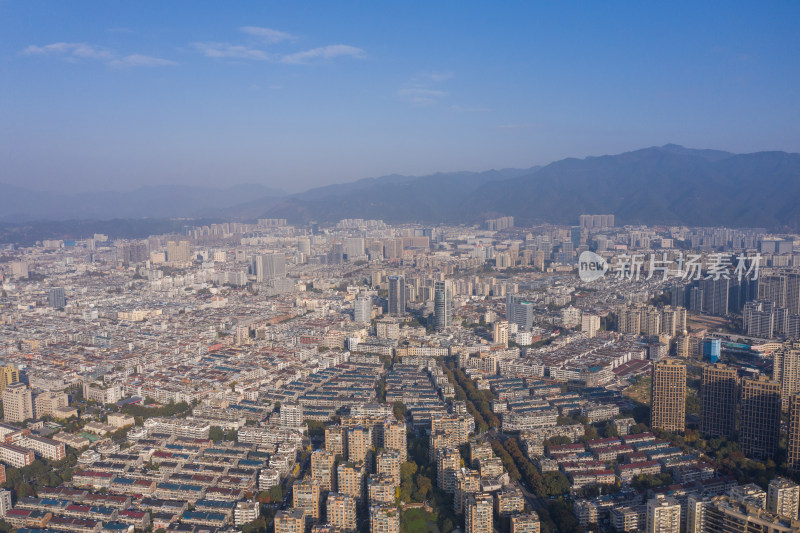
<point>216,434</point>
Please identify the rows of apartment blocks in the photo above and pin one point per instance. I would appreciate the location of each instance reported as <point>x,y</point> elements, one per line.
<point>704,507</point>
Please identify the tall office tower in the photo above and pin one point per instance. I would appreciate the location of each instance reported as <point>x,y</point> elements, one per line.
<point>362,309</point>
<point>468,482</point>
<point>663,515</point>
<point>306,496</point>
<point>8,375</point>
<point>500,333</point>
<point>388,463</point>
<point>760,417</point>
<point>525,523</point>
<point>17,403</point>
<point>291,415</point>
<point>57,298</point>
<point>178,252</point>
<point>359,444</point>
<point>322,468</point>
<point>381,489</point>
<point>342,511</point>
<point>793,441</point>
<point>443,304</point>
<point>786,370</point>
<point>395,437</point>
<point>397,295</point>
<point>291,521</point>
<point>519,312</point>
<point>384,519</point>
<point>335,439</point>
<point>448,462</point>
<point>783,497</point>
<point>350,480</point>
<point>718,401</point>
<point>668,396</point>
<point>269,266</point>
<point>478,513</point>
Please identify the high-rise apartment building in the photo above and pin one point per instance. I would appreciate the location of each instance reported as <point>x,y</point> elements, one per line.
<point>362,309</point>
<point>793,441</point>
<point>268,267</point>
<point>468,482</point>
<point>291,521</point>
<point>381,489</point>
<point>350,480</point>
<point>525,523</point>
<point>783,497</point>
<point>397,295</point>
<point>395,437</point>
<point>384,519</point>
<point>322,469</point>
<point>719,396</point>
<point>500,333</point>
<point>388,463</point>
<point>291,415</point>
<point>590,325</point>
<point>448,463</point>
<point>17,403</point>
<point>443,304</point>
<point>335,439</point>
<point>726,515</point>
<point>760,417</point>
<point>478,513</point>
<point>663,515</point>
<point>668,396</point>
<point>306,495</point>
<point>519,311</point>
<point>8,374</point>
<point>342,511</point>
<point>786,370</point>
<point>178,252</point>
<point>359,444</point>
<point>57,298</point>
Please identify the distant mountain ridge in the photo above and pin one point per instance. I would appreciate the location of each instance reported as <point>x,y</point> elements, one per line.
<point>658,185</point>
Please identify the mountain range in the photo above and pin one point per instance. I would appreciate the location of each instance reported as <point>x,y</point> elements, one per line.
<point>658,185</point>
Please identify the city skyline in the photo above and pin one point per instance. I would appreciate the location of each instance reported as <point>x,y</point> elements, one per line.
<point>294,97</point>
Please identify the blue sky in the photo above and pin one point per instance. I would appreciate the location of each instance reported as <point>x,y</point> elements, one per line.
<point>115,95</point>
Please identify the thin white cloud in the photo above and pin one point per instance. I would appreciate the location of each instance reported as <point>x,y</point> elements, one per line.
<point>324,52</point>
<point>139,60</point>
<point>441,76</point>
<point>76,51</point>
<point>231,51</point>
<point>70,50</point>
<point>268,34</point>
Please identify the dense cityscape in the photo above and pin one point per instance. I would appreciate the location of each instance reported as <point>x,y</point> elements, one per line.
<point>359,376</point>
